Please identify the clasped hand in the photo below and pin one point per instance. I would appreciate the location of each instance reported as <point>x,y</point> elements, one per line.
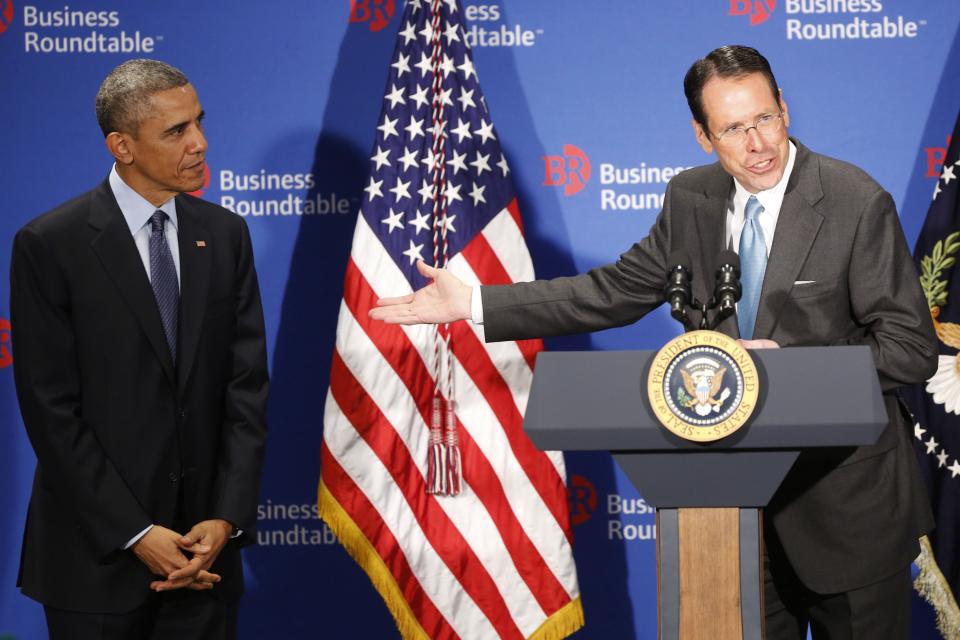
<point>162,551</point>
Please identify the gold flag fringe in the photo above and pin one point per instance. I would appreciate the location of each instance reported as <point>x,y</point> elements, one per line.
<point>562,623</point>
<point>934,588</point>
<point>558,626</point>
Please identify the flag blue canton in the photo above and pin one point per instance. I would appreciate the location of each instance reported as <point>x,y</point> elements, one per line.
<point>398,197</point>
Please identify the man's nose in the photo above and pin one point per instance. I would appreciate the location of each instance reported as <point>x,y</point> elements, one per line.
<point>754,139</point>
<point>198,142</point>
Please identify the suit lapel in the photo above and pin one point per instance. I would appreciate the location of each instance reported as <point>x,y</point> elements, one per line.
<point>195,251</point>
<point>797,228</point>
<point>711,220</point>
<point>115,248</point>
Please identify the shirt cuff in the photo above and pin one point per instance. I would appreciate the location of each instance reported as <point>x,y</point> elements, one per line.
<point>135,538</point>
<point>476,305</point>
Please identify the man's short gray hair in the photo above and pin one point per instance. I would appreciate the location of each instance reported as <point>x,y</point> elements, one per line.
<point>123,100</point>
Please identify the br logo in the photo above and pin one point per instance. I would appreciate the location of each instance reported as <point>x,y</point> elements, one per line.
<point>583,499</point>
<point>572,170</point>
<point>6,358</point>
<point>935,158</point>
<point>206,183</point>
<point>6,14</point>
<point>758,10</point>
<point>375,12</point>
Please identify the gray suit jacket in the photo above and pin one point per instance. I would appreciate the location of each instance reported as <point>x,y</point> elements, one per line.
<point>845,518</point>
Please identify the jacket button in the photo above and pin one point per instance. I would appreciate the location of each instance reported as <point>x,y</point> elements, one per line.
<point>174,476</point>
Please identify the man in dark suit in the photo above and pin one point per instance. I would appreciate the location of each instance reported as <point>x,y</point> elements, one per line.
<point>824,262</point>
<point>142,381</point>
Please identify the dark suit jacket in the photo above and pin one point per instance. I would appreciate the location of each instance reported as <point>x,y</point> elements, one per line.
<point>118,432</point>
<point>846,518</point>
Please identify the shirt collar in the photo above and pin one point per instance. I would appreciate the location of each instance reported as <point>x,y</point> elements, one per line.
<point>771,198</point>
<point>135,208</point>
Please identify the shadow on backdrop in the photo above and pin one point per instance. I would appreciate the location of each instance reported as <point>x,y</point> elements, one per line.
<point>300,373</point>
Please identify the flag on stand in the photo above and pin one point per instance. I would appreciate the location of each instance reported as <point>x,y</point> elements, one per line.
<point>936,404</point>
<point>426,475</point>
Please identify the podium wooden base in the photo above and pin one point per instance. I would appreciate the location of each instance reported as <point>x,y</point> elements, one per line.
<point>710,574</point>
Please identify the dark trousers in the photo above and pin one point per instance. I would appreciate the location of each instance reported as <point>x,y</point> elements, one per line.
<point>170,615</point>
<point>880,611</point>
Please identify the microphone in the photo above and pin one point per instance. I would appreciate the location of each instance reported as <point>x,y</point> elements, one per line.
<point>677,289</point>
<point>727,290</point>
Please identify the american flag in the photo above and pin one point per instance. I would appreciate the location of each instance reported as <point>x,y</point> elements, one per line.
<point>494,561</point>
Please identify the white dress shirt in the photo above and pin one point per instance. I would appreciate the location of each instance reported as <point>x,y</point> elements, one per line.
<point>771,200</point>
<point>137,212</point>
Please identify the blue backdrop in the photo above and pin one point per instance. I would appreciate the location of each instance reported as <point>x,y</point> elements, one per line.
<point>587,101</point>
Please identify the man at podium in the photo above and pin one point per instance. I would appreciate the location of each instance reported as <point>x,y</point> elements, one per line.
<point>824,262</point>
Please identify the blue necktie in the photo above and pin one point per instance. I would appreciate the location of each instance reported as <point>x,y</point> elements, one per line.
<point>753,263</point>
<point>163,279</point>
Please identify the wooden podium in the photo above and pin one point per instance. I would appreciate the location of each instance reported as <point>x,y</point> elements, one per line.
<point>709,497</point>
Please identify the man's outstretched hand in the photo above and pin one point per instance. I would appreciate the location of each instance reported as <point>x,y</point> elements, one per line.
<point>446,299</point>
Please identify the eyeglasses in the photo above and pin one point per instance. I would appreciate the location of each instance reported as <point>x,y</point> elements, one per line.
<point>766,125</point>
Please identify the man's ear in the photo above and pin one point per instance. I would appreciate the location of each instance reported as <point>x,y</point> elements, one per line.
<point>119,146</point>
<point>783,108</point>
<point>703,138</point>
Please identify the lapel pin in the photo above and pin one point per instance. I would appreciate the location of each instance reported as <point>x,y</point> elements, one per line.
<point>201,243</point>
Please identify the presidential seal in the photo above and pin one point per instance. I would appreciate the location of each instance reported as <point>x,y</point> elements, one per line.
<point>703,386</point>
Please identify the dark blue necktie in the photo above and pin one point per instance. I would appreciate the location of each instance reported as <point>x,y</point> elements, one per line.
<point>163,279</point>
<point>753,264</point>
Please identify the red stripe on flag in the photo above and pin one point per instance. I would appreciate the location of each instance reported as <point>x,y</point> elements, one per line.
<point>486,484</point>
<point>478,472</point>
<point>489,270</point>
<point>539,469</point>
<point>514,210</point>
<point>442,534</point>
<point>368,519</point>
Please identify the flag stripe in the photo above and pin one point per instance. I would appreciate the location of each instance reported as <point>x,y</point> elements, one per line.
<point>378,533</point>
<point>366,470</point>
<point>484,262</point>
<point>540,470</point>
<point>440,532</point>
<point>547,536</point>
<point>505,235</point>
<point>514,210</point>
<point>506,356</point>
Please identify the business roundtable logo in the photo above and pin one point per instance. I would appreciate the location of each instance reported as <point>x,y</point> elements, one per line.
<point>633,187</point>
<point>6,356</point>
<point>375,14</point>
<point>570,170</point>
<point>583,499</point>
<point>6,14</point>
<point>703,386</point>
<point>758,10</point>
<point>829,19</point>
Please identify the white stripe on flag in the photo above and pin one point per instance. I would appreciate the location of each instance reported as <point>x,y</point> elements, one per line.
<point>508,244</point>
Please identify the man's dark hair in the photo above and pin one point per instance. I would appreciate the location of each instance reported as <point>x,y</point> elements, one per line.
<point>123,100</point>
<point>730,61</point>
